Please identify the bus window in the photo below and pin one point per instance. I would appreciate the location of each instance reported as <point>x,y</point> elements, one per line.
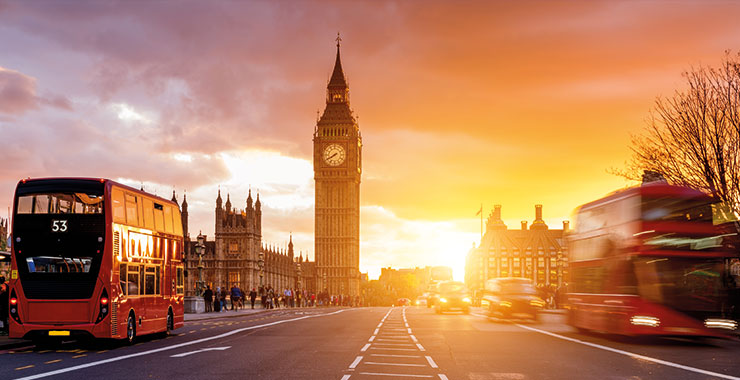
<point>122,278</point>
<point>158,290</point>
<point>148,214</point>
<point>141,280</point>
<point>158,217</point>
<point>25,205</point>
<point>131,213</point>
<point>180,280</point>
<point>41,204</point>
<point>168,219</point>
<point>133,280</point>
<point>150,281</point>
<point>119,211</point>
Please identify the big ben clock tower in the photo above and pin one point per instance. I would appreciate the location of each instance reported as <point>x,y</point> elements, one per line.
<point>337,165</point>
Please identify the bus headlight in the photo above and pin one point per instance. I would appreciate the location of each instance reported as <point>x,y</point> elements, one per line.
<point>467,300</point>
<point>443,300</point>
<point>715,323</point>
<point>644,320</point>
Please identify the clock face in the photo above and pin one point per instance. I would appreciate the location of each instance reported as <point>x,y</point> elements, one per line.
<point>334,154</point>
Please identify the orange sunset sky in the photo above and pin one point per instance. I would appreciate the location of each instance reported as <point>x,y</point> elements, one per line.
<point>459,103</point>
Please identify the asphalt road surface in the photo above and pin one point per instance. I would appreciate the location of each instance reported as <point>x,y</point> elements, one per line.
<point>377,343</point>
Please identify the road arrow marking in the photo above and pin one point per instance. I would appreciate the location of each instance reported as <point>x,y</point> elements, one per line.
<point>198,351</point>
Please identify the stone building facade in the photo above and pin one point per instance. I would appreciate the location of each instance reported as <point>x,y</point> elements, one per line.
<point>233,256</point>
<point>535,252</point>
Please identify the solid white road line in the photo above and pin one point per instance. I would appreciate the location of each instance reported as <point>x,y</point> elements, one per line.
<point>392,374</point>
<point>632,354</point>
<point>172,347</point>
<point>199,351</point>
<point>431,362</point>
<point>421,348</point>
<point>365,347</point>
<point>356,362</point>
<point>398,364</point>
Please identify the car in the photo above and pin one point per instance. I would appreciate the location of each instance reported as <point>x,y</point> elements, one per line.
<point>403,302</point>
<point>452,296</point>
<point>512,297</point>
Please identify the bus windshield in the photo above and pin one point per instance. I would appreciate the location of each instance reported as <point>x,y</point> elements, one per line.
<point>686,284</point>
<point>60,203</point>
<point>677,209</point>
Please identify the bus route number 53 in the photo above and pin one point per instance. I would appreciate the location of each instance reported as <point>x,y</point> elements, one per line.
<point>58,226</point>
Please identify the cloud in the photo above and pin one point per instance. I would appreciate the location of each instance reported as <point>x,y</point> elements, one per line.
<point>17,92</point>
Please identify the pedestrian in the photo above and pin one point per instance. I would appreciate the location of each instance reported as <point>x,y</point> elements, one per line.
<point>208,298</point>
<point>217,300</point>
<point>252,297</point>
<point>4,306</point>
<point>234,298</point>
<point>222,298</point>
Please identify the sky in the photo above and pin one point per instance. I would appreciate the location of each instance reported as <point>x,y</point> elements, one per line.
<point>460,104</point>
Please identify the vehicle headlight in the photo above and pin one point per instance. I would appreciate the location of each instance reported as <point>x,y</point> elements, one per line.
<point>537,303</point>
<point>467,299</point>
<point>644,320</point>
<point>727,324</point>
<point>443,300</point>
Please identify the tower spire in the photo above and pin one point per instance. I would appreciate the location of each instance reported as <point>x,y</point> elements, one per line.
<point>338,80</point>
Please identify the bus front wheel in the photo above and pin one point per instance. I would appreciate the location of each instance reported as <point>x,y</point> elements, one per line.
<point>130,329</point>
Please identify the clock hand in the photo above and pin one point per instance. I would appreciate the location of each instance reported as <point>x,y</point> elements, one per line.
<point>332,156</point>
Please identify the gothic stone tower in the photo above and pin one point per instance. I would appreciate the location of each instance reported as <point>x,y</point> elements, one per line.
<point>337,163</point>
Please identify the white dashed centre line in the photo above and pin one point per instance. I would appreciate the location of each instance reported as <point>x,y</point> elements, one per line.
<point>356,362</point>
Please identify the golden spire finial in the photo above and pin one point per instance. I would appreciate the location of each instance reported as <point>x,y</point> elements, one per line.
<point>339,39</point>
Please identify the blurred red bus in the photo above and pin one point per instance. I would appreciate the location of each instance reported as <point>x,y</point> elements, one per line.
<point>94,258</point>
<point>652,260</point>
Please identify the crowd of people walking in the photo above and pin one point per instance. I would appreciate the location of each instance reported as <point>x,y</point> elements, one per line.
<point>218,300</point>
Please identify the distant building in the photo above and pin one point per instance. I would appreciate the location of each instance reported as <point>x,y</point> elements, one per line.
<point>233,256</point>
<point>537,253</point>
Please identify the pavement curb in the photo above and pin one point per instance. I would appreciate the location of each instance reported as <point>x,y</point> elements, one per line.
<point>14,343</point>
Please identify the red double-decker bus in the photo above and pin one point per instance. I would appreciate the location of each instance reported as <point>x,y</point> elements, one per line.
<point>652,260</point>
<point>94,258</point>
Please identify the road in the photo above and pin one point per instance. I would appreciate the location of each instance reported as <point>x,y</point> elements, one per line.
<point>377,343</point>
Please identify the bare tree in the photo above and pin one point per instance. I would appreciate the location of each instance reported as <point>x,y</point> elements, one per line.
<point>693,137</point>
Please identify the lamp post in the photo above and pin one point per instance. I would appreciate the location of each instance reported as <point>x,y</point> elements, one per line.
<point>200,249</point>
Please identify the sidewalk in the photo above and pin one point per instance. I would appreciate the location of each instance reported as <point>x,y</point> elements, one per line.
<point>229,314</point>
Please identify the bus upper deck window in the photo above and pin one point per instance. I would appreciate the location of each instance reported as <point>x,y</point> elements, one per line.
<point>25,204</point>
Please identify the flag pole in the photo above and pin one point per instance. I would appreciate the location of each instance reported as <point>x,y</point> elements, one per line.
<point>481,223</point>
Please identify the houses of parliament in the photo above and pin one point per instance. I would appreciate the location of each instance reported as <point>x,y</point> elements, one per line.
<point>233,256</point>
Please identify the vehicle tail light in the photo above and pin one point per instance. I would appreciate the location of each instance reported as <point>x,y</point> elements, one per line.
<point>14,307</point>
<point>103,312</point>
